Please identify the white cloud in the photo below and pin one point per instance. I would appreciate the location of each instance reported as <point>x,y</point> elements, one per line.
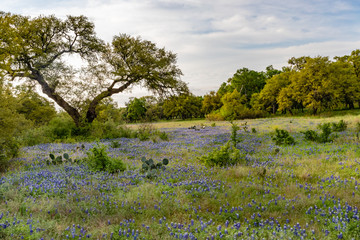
<point>215,38</point>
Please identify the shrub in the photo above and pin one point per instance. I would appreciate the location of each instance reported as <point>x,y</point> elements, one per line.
<point>311,135</point>
<point>145,131</point>
<point>61,128</point>
<point>115,165</point>
<point>4,162</point>
<point>35,136</point>
<point>339,127</point>
<point>227,155</point>
<point>324,136</point>
<point>163,136</point>
<point>109,130</point>
<point>9,148</point>
<point>283,137</point>
<point>234,137</point>
<point>98,160</point>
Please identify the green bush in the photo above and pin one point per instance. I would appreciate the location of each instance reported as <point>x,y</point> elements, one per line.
<point>282,137</point>
<point>4,162</point>
<point>163,136</point>
<point>109,130</point>
<point>227,155</point>
<point>339,127</point>
<point>234,136</point>
<point>115,165</point>
<point>36,136</point>
<point>9,148</point>
<point>98,160</point>
<point>61,127</point>
<point>310,135</point>
<point>323,137</point>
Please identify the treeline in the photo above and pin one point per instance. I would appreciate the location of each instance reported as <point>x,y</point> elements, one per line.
<point>308,84</point>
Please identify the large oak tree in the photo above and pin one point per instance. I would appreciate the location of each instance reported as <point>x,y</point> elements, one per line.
<point>38,50</point>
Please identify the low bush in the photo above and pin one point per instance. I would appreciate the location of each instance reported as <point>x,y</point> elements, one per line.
<point>109,130</point>
<point>283,137</point>
<point>325,135</point>
<point>326,131</point>
<point>9,148</point>
<point>98,160</point>
<point>227,155</point>
<point>310,135</point>
<point>339,127</point>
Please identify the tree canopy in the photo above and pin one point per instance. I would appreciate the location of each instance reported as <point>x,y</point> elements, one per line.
<point>37,50</point>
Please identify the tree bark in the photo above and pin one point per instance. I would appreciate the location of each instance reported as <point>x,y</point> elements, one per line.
<point>46,89</point>
<point>91,112</point>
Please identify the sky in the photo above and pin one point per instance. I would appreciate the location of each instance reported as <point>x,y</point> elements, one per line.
<point>214,38</point>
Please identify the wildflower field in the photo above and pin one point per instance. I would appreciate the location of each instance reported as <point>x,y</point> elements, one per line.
<point>306,190</point>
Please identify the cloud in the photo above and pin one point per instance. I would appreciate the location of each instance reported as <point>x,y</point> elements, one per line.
<point>215,38</point>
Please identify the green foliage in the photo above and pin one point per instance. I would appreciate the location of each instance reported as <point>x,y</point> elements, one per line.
<point>247,82</point>
<point>149,167</point>
<point>357,128</point>
<point>129,61</point>
<point>136,110</point>
<point>310,135</point>
<point>98,160</point>
<point>283,137</point>
<point>339,127</point>
<point>34,107</point>
<point>109,130</point>
<point>234,136</point>
<point>61,127</point>
<point>227,155</point>
<point>212,102</point>
<point>325,135</point>
<point>163,136</point>
<point>184,106</point>
<point>326,131</point>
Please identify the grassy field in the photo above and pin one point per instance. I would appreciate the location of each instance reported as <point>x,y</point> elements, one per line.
<point>303,191</point>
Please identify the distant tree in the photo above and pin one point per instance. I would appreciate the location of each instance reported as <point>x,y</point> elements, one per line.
<point>345,84</point>
<point>183,107</point>
<point>233,105</point>
<point>311,86</point>
<point>271,71</point>
<point>212,102</point>
<point>349,66</point>
<point>136,109</point>
<point>108,110</point>
<point>247,82</point>
<point>267,98</point>
<point>154,108</point>
<point>36,49</point>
